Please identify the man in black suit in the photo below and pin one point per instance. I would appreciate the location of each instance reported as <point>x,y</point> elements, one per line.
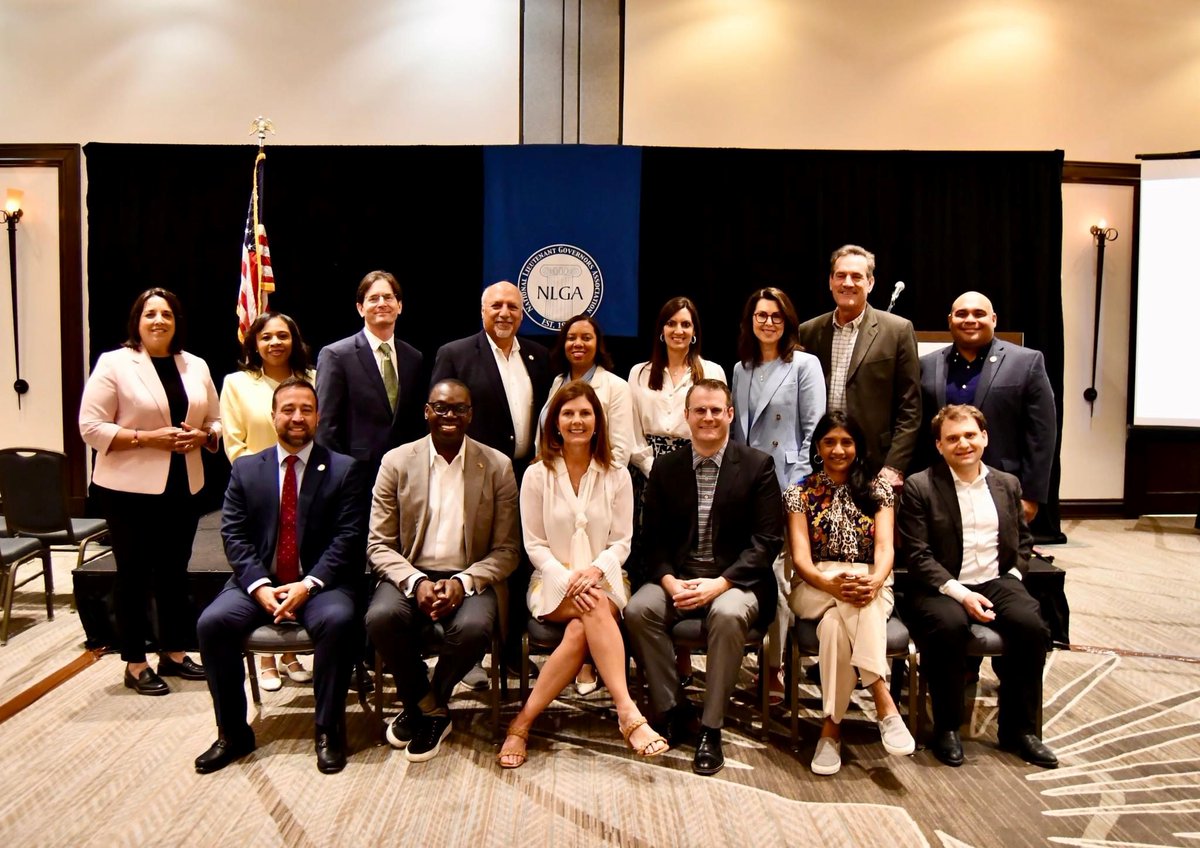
<point>870,362</point>
<point>964,536</point>
<point>508,378</point>
<point>1004,381</point>
<point>294,533</point>
<point>713,525</point>
<point>370,383</point>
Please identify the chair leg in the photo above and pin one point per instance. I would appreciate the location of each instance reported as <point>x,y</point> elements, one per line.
<point>764,680</point>
<point>48,575</point>
<point>913,704</point>
<point>10,577</point>
<point>794,692</point>
<point>524,668</point>
<point>252,673</point>
<point>381,727</point>
<point>497,680</point>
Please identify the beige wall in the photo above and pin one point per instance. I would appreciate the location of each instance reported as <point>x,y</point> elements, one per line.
<point>38,423</point>
<point>1103,80</point>
<point>198,71</point>
<point>1093,449</point>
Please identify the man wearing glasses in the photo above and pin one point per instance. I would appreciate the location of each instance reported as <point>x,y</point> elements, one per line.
<point>714,525</point>
<point>444,535</point>
<point>370,384</point>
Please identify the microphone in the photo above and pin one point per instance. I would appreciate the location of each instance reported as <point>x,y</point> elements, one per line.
<point>896,289</point>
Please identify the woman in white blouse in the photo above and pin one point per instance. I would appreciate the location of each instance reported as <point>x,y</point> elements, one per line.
<point>659,387</point>
<point>271,352</point>
<point>579,354</point>
<point>577,521</point>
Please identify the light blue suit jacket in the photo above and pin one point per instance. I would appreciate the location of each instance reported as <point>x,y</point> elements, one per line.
<point>790,403</point>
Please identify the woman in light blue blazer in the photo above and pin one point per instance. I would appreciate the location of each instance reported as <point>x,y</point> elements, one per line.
<point>778,397</point>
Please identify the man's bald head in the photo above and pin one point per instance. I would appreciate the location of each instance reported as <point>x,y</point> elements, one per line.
<point>972,322</point>
<point>500,307</point>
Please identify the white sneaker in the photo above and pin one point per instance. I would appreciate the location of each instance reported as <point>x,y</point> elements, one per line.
<point>827,759</point>
<point>897,741</point>
<point>269,679</point>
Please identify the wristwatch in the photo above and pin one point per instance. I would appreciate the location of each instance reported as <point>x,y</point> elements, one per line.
<point>313,585</point>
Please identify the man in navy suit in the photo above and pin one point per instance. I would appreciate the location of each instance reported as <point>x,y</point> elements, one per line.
<point>294,534</point>
<point>369,384</point>
<point>508,378</point>
<point>1008,384</point>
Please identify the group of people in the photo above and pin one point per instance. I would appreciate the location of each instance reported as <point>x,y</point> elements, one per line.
<point>541,476</point>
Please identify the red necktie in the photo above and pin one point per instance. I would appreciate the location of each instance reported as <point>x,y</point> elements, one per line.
<point>287,558</point>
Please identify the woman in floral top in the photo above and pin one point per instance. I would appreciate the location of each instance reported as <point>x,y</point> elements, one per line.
<point>840,521</point>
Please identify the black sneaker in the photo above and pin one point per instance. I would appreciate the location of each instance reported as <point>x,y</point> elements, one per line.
<point>400,731</point>
<point>427,740</point>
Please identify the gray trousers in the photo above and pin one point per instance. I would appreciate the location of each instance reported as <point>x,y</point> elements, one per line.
<point>649,617</point>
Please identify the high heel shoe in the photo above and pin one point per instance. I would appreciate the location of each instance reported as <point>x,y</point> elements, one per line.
<point>521,733</point>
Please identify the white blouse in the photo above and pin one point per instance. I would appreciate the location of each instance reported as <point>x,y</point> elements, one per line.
<point>596,524</point>
<point>661,413</point>
<point>613,393</point>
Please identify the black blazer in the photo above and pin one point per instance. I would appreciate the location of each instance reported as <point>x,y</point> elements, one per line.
<point>930,526</point>
<point>747,521</point>
<point>883,382</point>
<point>472,361</point>
<point>356,418</point>
<point>330,521</point>
<point>1014,395</point>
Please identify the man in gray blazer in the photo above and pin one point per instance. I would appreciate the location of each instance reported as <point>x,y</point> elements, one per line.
<point>964,537</point>
<point>1008,384</point>
<point>870,362</point>
<point>443,538</point>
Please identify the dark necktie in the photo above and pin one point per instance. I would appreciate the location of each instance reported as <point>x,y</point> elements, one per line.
<point>287,557</point>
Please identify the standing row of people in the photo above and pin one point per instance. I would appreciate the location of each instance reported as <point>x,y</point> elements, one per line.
<point>856,362</point>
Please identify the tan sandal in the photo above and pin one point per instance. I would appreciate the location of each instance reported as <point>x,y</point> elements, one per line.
<point>521,733</point>
<point>644,751</point>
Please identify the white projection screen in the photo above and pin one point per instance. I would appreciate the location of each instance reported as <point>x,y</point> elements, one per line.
<point>1166,381</point>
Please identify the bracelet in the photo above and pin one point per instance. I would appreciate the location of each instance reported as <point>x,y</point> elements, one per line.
<point>137,442</point>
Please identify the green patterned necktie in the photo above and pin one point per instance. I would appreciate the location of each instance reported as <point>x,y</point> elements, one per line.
<point>391,383</point>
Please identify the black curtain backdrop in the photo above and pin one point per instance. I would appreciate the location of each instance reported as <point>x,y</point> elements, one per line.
<point>716,224</point>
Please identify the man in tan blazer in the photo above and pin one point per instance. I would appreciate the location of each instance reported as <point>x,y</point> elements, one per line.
<point>444,535</point>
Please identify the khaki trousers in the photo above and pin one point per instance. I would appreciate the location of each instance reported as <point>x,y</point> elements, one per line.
<point>853,640</point>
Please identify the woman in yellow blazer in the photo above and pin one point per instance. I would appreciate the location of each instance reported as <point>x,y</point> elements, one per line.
<point>147,409</point>
<point>273,350</point>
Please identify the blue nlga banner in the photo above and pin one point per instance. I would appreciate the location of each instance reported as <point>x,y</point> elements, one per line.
<point>561,222</point>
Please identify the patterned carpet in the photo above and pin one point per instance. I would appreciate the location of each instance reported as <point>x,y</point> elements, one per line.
<point>90,763</point>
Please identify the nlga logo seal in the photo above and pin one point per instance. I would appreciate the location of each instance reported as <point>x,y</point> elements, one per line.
<point>558,281</point>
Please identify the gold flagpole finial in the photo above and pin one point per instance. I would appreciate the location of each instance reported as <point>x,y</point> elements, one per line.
<point>260,126</point>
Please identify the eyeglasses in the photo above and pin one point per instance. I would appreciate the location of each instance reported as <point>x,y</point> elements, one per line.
<point>775,318</point>
<point>443,408</point>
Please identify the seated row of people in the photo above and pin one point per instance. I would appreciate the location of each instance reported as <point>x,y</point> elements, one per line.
<point>444,535</point>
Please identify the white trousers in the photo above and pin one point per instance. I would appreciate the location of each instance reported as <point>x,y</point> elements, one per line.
<point>853,640</point>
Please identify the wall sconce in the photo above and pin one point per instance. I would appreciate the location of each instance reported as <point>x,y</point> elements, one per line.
<point>1103,234</point>
<point>11,215</point>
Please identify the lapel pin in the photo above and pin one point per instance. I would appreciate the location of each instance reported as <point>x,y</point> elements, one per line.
<point>479,465</point>
<point>321,467</point>
<point>529,357</point>
<point>993,359</point>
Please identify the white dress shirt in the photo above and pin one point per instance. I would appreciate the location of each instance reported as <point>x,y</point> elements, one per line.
<point>374,341</point>
<point>981,536</point>
<point>444,548</point>
<point>518,389</point>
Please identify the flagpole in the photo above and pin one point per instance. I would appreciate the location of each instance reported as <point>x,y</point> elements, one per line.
<point>260,126</point>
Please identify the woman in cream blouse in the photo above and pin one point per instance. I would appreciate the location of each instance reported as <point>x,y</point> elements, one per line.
<point>577,520</point>
<point>271,352</point>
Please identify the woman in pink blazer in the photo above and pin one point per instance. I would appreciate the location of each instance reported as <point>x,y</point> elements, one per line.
<point>147,409</point>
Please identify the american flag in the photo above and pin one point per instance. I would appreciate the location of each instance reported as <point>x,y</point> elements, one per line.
<point>257,278</point>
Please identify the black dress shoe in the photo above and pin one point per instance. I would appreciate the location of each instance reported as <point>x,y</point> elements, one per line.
<point>222,753</point>
<point>709,758</point>
<point>947,747</point>
<point>1030,749</point>
<point>331,753</point>
<point>146,683</point>
<point>681,725</point>
<point>189,669</point>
